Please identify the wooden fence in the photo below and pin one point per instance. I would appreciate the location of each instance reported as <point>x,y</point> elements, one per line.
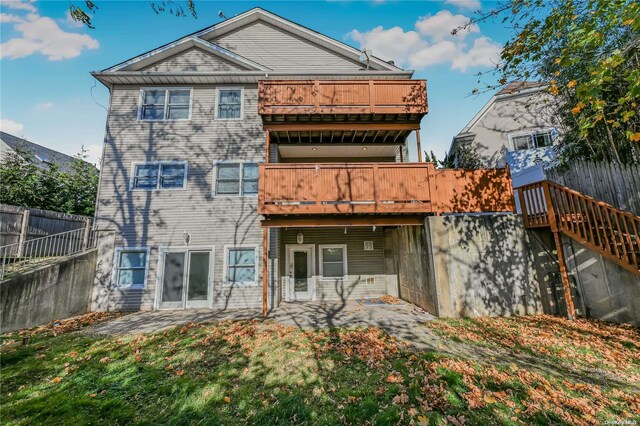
<point>614,184</point>
<point>19,223</point>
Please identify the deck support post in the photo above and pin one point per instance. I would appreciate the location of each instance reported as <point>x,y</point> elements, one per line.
<point>265,275</point>
<point>418,145</point>
<point>268,146</point>
<point>566,286</point>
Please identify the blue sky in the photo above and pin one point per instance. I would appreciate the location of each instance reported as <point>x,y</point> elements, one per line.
<point>48,96</point>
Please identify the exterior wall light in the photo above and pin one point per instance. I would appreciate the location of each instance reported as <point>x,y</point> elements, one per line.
<point>300,238</point>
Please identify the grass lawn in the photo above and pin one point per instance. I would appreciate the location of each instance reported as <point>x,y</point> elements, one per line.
<point>261,372</point>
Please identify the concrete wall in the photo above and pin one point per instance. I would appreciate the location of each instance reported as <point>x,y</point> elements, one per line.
<point>482,266</point>
<point>56,291</point>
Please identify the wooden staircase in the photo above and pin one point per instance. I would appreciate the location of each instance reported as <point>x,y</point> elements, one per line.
<point>609,231</point>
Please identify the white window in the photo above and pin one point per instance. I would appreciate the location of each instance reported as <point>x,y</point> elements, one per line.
<point>131,266</point>
<point>538,139</point>
<point>165,104</point>
<point>157,175</point>
<point>236,179</point>
<point>240,265</point>
<point>333,261</point>
<point>229,103</point>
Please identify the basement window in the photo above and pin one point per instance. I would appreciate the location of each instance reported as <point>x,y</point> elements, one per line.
<point>241,265</point>
<point>333,261</point>
<point>131,267</point>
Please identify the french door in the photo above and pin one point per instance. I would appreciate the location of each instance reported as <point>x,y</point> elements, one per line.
<point>185,280</point>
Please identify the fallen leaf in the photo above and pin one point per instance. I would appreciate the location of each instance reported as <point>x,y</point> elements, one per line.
<point>227,399</point>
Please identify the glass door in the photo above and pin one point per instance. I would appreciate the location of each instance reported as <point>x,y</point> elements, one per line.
<point>185,279</point>
<point>300,273</point>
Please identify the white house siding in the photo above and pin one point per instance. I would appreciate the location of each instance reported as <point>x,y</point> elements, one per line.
<point>194,59</point>
<point>510,115</point>
<point>361,264</point>
<point>161,218</point>
<point>282,51</point>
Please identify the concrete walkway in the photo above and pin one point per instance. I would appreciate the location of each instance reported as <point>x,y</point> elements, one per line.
<point>404,321</point>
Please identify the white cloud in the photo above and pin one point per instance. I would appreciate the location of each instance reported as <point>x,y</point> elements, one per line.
<point>19,5</point>
<point>43,35</point>
<point>44,105</point>
<point>393,43</point>
<point>438,53</point>
<point>11,126</point>
<point>484,53</point>
<point>432,43</point>
<point>7,17</point>
<point>465,4</point>
<point>440,25</point>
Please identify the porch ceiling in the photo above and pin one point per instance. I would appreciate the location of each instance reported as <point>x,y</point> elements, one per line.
<point>341,221</point>
<point>379,136</point>
<point>347,151</point>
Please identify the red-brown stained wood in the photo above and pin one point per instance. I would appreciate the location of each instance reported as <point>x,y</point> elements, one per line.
<point>381,188</point>
<point>342,97</point>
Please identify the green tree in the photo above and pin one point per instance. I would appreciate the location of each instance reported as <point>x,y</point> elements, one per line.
<point>19,179</point>
<point>588,51</point>
<point>50,188</point>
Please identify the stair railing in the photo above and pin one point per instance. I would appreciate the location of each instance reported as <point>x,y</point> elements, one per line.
<point>25,254</point>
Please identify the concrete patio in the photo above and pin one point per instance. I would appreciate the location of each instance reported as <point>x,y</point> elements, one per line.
<point>404,321</point>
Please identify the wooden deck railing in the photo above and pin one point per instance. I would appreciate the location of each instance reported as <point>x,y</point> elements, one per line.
<point>381,188</point>
<point>595,224</point>
<point>342,97</point>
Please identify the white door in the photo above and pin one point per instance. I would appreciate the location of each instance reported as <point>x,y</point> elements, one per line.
<point>301,284</point>
<point>185,279</point>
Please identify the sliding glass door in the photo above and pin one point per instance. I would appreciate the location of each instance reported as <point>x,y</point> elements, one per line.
<point>185,278</point>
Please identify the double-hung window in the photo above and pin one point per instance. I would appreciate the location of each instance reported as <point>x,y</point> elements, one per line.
<point>532,140</point>
<point>165,104</point>
<point>131,267</point>
<point>151,176</point>
<point>241,265</point>
<point>236,179</point>
<point>229,104</point>
<point>333,261</point>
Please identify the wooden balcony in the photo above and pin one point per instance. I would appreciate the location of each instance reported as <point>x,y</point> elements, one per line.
<point>305,99</point>
<point>381,188</point>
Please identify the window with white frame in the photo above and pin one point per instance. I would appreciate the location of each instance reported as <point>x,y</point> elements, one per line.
<point>131,267</point>
<point>229,104</point>
<point>532,140</point>
<point>236,179</point>
<point>151,176</point>
<point>165,104</point>
<point>333,261</point>
<point>241,265</point>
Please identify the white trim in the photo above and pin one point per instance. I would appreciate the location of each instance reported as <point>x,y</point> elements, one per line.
<point>159,163</point>
<point>312,280</point>
<point>533,131</point>
<point>217,102</point>
<point>345,269</point>
<point>116,262</point>
<point>166,102</point>
<point>214,188</point>
<point>162,250</point>
<point>225,280</point>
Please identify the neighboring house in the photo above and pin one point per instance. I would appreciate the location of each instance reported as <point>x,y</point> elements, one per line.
<point>516,127</point>
<point>39,155</point>
<point>255,161</point>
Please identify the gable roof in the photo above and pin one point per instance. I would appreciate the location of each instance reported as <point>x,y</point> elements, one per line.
<point>239,21</point>
<point>168,50</point>
<point>39,155</point>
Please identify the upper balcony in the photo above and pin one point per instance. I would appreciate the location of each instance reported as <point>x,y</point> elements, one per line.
<point>342,100</point>
<point>380,188</point>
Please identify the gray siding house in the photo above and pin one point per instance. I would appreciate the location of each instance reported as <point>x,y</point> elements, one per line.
<point>232,163</point>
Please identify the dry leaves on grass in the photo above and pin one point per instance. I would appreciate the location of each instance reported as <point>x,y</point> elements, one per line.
<point>581,342</point>
<point>68,325</point>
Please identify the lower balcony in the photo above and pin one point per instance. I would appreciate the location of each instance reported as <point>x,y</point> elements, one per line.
<point>380,188</point>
